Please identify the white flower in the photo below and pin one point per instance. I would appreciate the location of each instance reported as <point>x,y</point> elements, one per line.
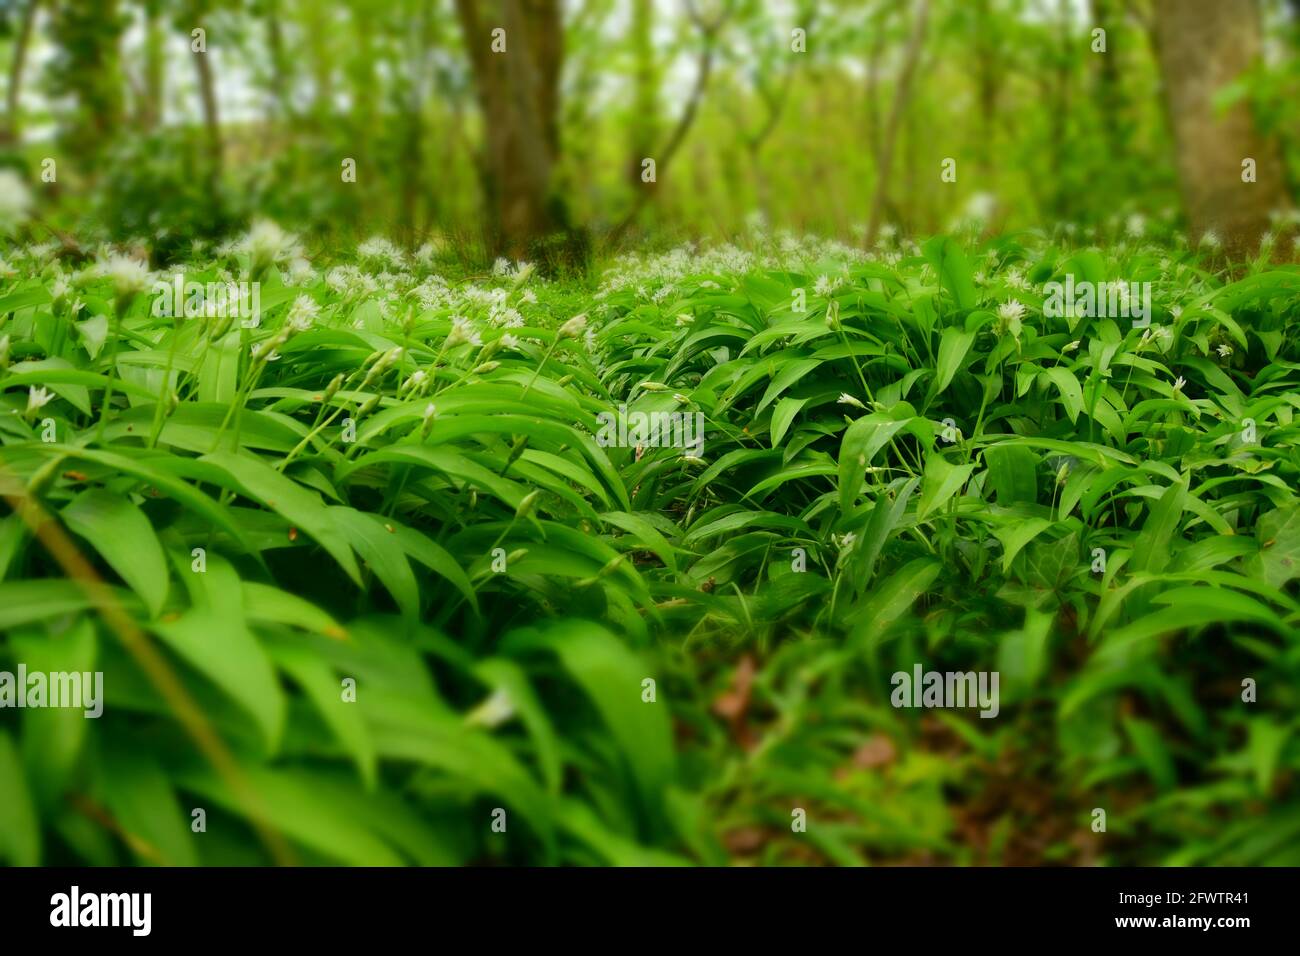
<point>1071,347</point>
<point>461,332</point>
<point>494,711</point>
<point>1211,239</point>
<point>980,206</point>
<point>825,285</point>
<point>847,399</point>
<point>1012,311</point>
<point>574,327</point>
<point>266,243</point>
<point>129,276</point>
<point>528,296</point>
<point>42,251</point>
<point>1224,351</point>
<point>303,312</point>
<point>508,341</point>
<point>15,201</point>
<point>37,398</point>
<point>1178,384</point>
<point>501,267</point>
<point>301,272</point>
<point>1136,225</point>
<point>507,318</point>
<point>419,378</point>
<point>380,250</point>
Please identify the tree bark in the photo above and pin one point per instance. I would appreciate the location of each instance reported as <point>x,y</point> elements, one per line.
<point>155,33</point>
<point>211,120</point>
<point>1202,46</point>
<point>902,93</point>
<point>12,125</point>
<point>645,111</point>
<point>709,28</point>
<point>518,94</point>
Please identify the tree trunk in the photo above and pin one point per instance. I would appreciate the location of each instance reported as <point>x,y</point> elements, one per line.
<point>1111,98</point>
<point>988,84</point>
<point>1202,46</point>
<point>279,65</point>
<point>902,93</point>
<point>518,94</point>
<point>645,114</point>
<point>155,36</point>
<point>12,126</point>
<point>211,121</point>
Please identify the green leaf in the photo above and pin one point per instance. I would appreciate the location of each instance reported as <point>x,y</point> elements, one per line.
<point>125,539</point>
<point>20,827</point>
<point>301,507</point>
<point>1153,752</point>
<point>953,346</point>
<point>213,638</point>
<point>1068,386</point>
<point>324,689</point>
<point>1278,535</point>
<point>298,809</point>
<point>23,602</point>
<point>954,270</point>
<point>140,796</point>
<point>383,554</point>
<point>1015,535</point>
<point>784,413</point>
<point>940,482</point>
<point>885,516</point>
<point>862,440</point>
<point>611,677</point>
<point>1151,550</point>
<point>890,598</point>
<point>1013,473</point>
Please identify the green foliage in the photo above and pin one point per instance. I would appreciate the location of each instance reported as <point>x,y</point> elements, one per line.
<point>500,585</point>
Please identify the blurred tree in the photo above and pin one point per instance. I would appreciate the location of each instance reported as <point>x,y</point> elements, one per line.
<point>708,27</point>
<point>1203,46</point>
<point>646,78</point>
<point>195,15</point>
<point>518,91</point>
<point>87,66</point>
<point>149,113</point>
<point>9,134</point>
<point>902,94</point>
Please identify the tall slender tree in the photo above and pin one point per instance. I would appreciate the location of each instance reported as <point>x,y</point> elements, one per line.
<point>1203,46</point>
<point>516,51</point>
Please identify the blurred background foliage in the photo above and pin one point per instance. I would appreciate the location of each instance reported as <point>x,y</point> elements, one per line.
<point>155,141</point>
<point>522,690</point>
